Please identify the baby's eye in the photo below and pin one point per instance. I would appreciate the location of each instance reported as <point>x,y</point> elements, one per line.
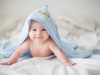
<point>33,29</point>
<point>43,29</point>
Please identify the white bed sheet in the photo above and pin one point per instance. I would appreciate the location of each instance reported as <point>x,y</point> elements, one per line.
<point>51,66</point>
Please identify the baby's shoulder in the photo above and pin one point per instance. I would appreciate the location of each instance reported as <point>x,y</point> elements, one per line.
<point>27,41</point>
<point>50,41</point>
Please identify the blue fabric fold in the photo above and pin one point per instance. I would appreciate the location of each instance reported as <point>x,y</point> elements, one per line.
<point>43,16</point>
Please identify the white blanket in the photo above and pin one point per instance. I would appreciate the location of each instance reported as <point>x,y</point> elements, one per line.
<point>51,66</point>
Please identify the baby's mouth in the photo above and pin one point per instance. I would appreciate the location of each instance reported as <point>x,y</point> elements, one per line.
<point>38,37</point>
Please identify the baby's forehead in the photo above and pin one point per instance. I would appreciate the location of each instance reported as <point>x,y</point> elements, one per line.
<point>35,23</point>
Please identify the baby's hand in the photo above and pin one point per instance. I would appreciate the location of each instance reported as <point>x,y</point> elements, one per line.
<point>6,63</point>
<point>70,63</point>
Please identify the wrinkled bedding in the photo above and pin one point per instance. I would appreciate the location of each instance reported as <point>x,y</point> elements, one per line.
<point>51,66</point>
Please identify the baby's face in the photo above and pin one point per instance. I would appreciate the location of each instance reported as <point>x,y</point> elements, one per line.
<point>37,32</point>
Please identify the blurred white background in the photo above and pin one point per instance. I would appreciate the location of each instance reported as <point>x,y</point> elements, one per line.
<point>23,8</point>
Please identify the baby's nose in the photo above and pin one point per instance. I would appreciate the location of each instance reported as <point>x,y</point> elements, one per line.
<point>38,32</point>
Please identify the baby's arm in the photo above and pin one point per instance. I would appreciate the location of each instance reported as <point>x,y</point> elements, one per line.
<point>18,53</point>
<point>60,54</point>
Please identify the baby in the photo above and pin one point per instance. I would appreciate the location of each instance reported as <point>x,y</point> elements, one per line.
<point>40,44</point>
<point>40,36</point>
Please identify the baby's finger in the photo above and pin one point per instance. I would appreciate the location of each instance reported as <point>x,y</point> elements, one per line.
<point>73,64</point>
<point>70,64</point>
<point>7,63</point>
<point>2,63</point>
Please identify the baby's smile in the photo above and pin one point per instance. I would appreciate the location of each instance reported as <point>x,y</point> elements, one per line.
<point>39,37</point>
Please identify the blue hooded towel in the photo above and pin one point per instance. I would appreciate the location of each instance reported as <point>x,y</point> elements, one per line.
<point>43,16</point>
